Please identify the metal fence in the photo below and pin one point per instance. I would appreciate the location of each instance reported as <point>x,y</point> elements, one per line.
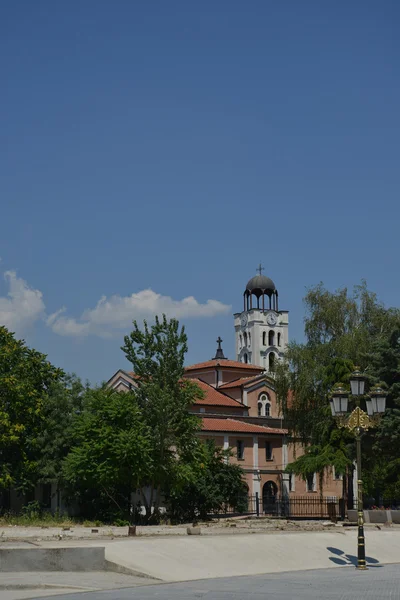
<point>249,506</point>
<point>302,507</point>
<point>296,507</point>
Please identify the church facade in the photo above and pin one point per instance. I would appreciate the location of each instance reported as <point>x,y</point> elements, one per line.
<point>239,409</point>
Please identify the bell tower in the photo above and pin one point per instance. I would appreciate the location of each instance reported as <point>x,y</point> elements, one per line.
<point>261,329</point>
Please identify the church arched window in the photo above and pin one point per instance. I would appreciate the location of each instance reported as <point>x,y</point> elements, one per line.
<point>264,405</point>
<point>245,358</point>
<point>249,338</point>
<point>264,338</point>
<point>245,338</point>
<point>271,361</point>
<point>271,338</point>
<point>279,339</point>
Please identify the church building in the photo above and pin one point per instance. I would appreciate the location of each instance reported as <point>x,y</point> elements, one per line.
<point>239,409</point>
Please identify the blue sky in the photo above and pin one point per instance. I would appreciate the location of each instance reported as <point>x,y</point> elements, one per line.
<point>171,146</point>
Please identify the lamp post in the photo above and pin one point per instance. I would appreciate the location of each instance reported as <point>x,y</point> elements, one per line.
<point>357,422</point>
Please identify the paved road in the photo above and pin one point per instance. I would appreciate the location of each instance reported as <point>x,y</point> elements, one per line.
<point>21,585</point>
<point>380,582</point>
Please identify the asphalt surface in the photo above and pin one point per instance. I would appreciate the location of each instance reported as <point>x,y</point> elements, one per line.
<point>21,585</point>
<point>380,582</point>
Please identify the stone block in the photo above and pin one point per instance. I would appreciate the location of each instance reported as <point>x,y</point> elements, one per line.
<point>377,516</point>
<point>193,531</point>
<point>352,516</point>
<point>395,516</point>
<point>52,559</point>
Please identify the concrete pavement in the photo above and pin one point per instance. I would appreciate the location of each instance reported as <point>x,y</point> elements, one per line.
<point>197,557</point>
<point>201,557</point>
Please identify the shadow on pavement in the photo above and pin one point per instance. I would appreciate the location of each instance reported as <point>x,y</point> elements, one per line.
<point>349,559</point>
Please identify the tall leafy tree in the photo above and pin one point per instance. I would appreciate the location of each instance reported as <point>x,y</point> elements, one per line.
<point>382,461</point>
<point>211,485</point>
<point>25,379</point>
<point>63,404</point>
<point>157,354</point>
<point>340,328</point>
<point>111,455</point>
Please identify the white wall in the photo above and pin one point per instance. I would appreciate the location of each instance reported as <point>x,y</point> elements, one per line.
<point>256,325</point>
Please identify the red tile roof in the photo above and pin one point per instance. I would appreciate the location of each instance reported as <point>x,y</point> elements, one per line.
<point>131,374</point>
<point>238,382</point>
<point>232,425</point>
<point>211,398</point>
<point>214,398</point>
<point>228,364</point>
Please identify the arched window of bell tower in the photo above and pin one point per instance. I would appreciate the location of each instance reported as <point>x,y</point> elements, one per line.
<point>245,358</point>
<point>271,361</point>
<point>271,338</point>
<point>279,339</point>
<point>245,338</point>
<point>264,338</point>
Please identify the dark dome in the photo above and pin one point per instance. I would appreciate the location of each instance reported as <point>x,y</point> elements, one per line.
<point>260,283</point>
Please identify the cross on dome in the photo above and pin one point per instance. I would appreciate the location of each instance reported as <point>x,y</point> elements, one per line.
<point>260,269</point>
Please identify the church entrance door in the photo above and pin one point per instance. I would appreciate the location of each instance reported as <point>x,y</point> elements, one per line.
<point>269,496</point>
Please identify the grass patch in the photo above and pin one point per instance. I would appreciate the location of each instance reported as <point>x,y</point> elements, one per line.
<point>46,520</point>
<point>37,521</point>
<point>32,515</point>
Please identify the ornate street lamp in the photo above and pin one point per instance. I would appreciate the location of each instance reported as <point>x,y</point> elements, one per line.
<point>339,401</point>
<point>357,422</point>
<point>357,383</point>
<point>376,405</point>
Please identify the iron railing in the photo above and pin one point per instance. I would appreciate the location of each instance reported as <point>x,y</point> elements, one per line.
<point>293,507</point>
<point>302,507</point>
<point>249,507</point>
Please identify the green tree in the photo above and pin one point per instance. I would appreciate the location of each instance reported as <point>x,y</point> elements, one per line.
<point>211,485</point>
<point>340,329</point>
<point>64,402</point>
<point>382,461</point>
<point>157,355</point>
<point>25,379</point>
<point>111,456</point>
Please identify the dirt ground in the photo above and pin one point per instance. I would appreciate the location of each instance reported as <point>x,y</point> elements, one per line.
<point>225,526</point>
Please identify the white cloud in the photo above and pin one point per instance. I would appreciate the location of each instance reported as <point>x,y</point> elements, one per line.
<point>66,325</point>
<point>116,313</point>
<point>22,306</point>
